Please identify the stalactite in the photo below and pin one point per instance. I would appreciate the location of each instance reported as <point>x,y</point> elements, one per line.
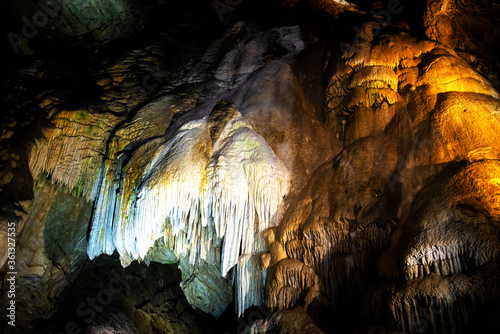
<point>72,150</point>
<point>447,311</point>
<point>288,280</point>
<point>387,53</point>
<point>456,257</point>
<point>250,283</point>
<point>340,253</point>
<point>198,195</point>
<point>374,74</point>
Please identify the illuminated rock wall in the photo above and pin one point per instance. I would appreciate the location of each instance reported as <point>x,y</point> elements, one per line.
<point>217,193</point>
<point>335,184</point>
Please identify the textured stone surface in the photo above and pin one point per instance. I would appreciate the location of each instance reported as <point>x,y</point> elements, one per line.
<point>462,25</point>
<point>420,138</point>
<point>50,247</point>
<point>390,143</point>
<point>95,22</point>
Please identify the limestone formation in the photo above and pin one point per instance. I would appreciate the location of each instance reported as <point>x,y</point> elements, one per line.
<point>324,173</point>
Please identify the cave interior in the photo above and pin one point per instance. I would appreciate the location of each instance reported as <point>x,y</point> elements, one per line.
<point>250,166</point>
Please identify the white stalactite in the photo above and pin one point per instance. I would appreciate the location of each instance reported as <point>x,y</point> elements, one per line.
<point>221,194</point>
<point>250,290</point>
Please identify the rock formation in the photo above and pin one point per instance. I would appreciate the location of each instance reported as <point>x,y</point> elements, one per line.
<point>332,172</point>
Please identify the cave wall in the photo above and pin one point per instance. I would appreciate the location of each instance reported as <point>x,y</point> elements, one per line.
<point>338,171</point>
<point>95,22</point>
